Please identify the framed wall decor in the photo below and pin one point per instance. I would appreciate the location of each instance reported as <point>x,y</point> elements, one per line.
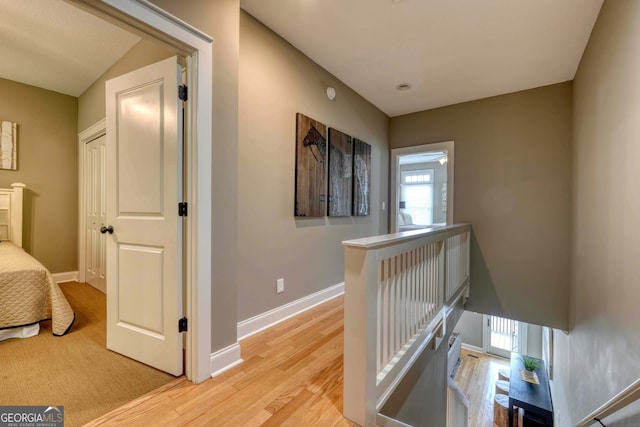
<point>547,350</point>
<point>444,197</point>
<point>8,145</point>
<point>311,168</point>
<point>340,173</point>
<point>361,177</point>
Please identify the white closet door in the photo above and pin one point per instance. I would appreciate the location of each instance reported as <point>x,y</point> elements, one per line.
<point>95,160</point>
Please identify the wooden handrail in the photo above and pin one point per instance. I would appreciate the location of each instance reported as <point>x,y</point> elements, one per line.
<point>613,405</point>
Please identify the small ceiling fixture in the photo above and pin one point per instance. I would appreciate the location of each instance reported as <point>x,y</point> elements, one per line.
<point>403,86</point>
<point>331,93</point>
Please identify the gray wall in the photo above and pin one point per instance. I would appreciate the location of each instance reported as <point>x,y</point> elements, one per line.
<point>256,239</point>
<point>421,399</point>
<point>276,82</point>
<point>627,417</point>
<point>512,183</point>
<point>604,339</point>
<point>48,165</point>
<point>534,341</point>
<point>92,103</point>
<point>220,19</point>
<point>470,328</point>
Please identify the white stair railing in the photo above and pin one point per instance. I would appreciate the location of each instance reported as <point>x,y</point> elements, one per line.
<point>457,406</point>
<point>397,290</point>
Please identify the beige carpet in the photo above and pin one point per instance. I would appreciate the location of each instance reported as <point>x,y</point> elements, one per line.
<point>75,370</point>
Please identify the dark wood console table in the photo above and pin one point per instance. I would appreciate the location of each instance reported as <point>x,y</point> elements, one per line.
<point>535,399</point>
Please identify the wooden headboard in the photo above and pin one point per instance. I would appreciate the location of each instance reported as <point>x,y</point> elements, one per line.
<point>11,213</point>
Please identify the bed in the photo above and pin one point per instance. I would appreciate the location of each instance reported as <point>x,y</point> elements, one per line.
<point>405,223</point>
<point>28,293</point>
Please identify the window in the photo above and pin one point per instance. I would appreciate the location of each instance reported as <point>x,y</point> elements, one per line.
<point>416,191</point>
<point>417,179</point>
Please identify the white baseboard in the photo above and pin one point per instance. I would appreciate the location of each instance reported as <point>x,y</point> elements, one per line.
<point>228,357</point>
<point>248,327</point>
<point>69,276</point>
<point>225,359</point>
<point>472,348</point>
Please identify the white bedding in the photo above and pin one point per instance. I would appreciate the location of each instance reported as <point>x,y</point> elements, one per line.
<point>24,332</point>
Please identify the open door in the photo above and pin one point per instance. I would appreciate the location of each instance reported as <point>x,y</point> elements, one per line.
<point>144,243</point>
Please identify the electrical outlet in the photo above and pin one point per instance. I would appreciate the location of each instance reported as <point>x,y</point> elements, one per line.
<point>280,286</point>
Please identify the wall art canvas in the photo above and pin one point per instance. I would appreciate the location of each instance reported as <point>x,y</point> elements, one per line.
<point>340,173</point>
<point>361,177</point>
<point>444,197</point>
<point>8,145</point>
<point>547,350</point>
<point>311,167</point>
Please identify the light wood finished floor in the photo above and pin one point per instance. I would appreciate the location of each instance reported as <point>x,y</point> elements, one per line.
<point>476,378</point>
<point>291,375</point>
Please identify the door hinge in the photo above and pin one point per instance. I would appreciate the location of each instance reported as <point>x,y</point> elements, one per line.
<point>182,325</point>
<point>183,92</point>
<point>182,209</point>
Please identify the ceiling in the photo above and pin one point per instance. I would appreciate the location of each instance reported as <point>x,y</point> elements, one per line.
<point>426,157</point>
<point>450,51</point>
<point>56,46</point>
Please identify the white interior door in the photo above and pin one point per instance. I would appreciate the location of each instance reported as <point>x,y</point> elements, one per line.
<point>95,198</point>
<point>144,186</point>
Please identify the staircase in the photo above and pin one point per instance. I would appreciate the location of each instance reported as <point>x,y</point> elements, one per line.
<point>404,293</point>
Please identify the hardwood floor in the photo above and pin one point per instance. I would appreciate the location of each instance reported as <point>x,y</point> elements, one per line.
<point>291,375</point>
<point>476,378</point>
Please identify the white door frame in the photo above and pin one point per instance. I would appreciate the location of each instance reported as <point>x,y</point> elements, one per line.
<point>92,132</point>
<point>144,17</point>
<point>395,177</point>
<point>486,335</point>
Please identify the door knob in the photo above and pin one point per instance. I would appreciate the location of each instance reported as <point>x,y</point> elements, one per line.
<point>108,229</point>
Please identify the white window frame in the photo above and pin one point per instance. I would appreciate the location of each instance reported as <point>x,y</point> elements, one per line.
<point>423,172</point>
<point>522,336</point>
<point>447,147</point>
<point>420,172</point>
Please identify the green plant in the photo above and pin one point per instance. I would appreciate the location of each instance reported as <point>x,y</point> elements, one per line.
<point>530,364</point>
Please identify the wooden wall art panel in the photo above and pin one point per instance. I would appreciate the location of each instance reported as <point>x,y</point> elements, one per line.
<point>361,177</point>
<point>8,145</point>
<point>340,173</point>
<point>311,167</point>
